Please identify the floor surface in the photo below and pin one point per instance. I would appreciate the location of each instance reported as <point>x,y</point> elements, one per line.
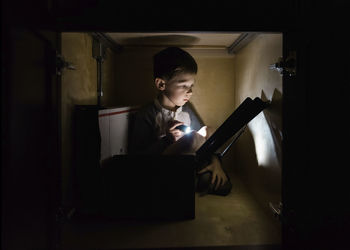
<point>233,220</point>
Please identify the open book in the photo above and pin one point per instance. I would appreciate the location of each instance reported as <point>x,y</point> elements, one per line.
<point>233,126</point>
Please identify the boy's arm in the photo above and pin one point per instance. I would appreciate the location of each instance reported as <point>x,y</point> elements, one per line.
<point>142,138</point>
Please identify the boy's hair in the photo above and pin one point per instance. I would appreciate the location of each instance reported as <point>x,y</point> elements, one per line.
<point>171,61</point>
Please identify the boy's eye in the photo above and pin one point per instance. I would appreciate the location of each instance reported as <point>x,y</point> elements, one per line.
<point>186,87</point>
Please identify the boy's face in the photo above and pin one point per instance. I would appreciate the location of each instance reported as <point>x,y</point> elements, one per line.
<point>179,88</point>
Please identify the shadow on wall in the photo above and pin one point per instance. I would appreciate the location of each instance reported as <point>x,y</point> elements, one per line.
<point>258,155</point>
<point>266,129</point>
<point>273,116</point>
<point>164,40</point>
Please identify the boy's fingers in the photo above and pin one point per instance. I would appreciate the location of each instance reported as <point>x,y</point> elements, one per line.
<point>203,170</point>
<point>177,132</point>
<point>219,183</point>
<point>213,178</point>
<point>224,181</point>
<point>177,123</point>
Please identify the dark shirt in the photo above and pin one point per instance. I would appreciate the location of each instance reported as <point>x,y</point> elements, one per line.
<point>147,135</point>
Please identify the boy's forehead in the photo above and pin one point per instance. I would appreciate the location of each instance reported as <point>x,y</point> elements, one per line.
<point>184,77</point>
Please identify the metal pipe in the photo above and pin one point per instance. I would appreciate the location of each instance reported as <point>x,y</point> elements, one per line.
<point>99,82</point>
<point>99,53</point>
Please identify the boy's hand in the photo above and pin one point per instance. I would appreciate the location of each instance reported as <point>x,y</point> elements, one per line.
<point>187,144</point>
<point>172,133</point>
<point>217,173</point>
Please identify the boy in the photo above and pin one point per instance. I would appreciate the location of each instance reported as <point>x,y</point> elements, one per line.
<point>155,125</point>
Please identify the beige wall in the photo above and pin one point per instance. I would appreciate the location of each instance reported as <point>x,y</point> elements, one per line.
<point>79,87</point>
<point>213,95</point>
<point>134,77</point>
<point>257,152</point>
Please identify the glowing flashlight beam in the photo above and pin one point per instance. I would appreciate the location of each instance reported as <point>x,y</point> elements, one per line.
<point>188,130</point>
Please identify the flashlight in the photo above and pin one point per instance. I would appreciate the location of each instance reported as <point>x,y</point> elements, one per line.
<point>184,128</point>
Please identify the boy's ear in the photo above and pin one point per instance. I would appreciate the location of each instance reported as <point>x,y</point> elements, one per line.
<point>160,83</point>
